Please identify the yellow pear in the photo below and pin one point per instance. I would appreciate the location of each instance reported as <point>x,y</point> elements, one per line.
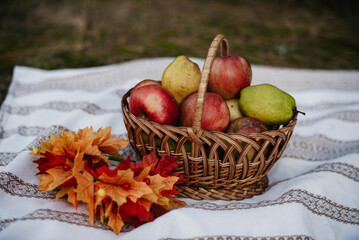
<point>181,78</point>
<point>233,106</point>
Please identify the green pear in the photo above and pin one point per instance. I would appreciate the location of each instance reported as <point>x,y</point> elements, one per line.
<point>181,78</point>
<point>267,103</point>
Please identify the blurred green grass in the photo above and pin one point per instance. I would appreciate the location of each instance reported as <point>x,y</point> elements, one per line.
<point>72,34</point>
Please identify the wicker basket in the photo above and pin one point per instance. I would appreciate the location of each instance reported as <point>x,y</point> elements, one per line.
<point>216,165</point>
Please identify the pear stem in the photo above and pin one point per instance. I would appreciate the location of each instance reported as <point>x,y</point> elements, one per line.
<point>303,113</point>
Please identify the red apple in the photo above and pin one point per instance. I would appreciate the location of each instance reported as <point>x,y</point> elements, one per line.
<point>246,125</point>
<point>229,75</point>
<point>147,82</point>
<point>215,112</point>
<point>155,103</point>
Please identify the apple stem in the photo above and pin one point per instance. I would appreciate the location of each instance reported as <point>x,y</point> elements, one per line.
<point>224,48</point>
<point>144,115</point>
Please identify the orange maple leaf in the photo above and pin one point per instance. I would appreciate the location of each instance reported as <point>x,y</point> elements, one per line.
<point>174,203</point>
<point>85,192</point>
<point>107,143</point>
<point>100,142</point>
<point>48,145</point>
<point>114,186</point>
<point>158,184</point>
<point>66,145</point>
<point>63,145</point>
<point>71,195</point>
<point>45,181</point>
<point>86,137</point>
<point>115,222</point>
<point>60,175</point>
<point>147,200</point>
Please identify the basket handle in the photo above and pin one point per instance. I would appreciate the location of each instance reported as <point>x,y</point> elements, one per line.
<point>202,89</point>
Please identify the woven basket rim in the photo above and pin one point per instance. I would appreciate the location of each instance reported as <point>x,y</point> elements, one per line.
<point>282,128</point>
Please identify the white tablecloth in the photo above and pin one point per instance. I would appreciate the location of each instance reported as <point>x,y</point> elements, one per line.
<point>313,190</point>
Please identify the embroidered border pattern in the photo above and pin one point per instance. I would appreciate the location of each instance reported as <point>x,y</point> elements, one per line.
<point>59,106</point>
<point>7,157</point>
<point>319,148</point>
<point>23,131</point>
<point>326,105</point>
<point>347,116</point>
<point>76,218</point>
<point>232,237</point>
<point>344,169</point>
<point>14,186</point>
<point>90,82</point>
<point>315,203</point>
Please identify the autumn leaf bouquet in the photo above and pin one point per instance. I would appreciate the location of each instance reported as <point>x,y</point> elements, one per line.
<point>77,165</point>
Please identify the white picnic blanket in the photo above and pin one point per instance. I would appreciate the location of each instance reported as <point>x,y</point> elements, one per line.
<point>313,190</point>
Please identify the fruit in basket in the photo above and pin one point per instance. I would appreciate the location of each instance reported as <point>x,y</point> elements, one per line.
<point>215,116</point>
<point>246,125</point>
<point>181,78</point>
<point>229,75</point>
<point>268,104</point>
<point>154,103</point>
<point>146,82</point>
<point>233,106</point>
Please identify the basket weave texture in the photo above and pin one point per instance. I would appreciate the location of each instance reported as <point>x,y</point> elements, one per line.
<point>216,165</point>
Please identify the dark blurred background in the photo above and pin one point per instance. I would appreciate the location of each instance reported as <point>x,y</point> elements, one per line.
<point>53,34</point>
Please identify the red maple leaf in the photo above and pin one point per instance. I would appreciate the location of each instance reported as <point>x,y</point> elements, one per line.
<point>48,161</point>
<point>135,213</point>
